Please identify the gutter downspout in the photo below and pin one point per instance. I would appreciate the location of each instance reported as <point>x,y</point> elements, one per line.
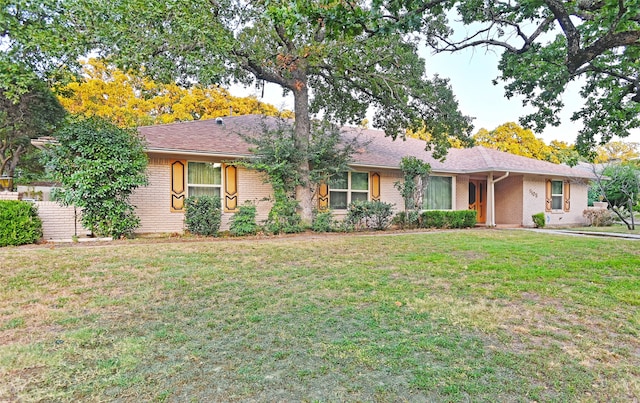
<point>492,196</point>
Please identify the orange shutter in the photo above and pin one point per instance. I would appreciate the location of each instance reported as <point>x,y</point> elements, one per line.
<point>230,188</point>
<point>323,197</point>
<point>178,188</point>
<point>375,186</point>
<point>547,199</point>
<point>567,196</point>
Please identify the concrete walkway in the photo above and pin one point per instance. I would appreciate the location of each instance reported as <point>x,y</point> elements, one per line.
<point>622,235</point>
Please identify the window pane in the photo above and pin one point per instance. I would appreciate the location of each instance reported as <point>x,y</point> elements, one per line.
<point>556,202</point>
<point>359,181</point>
<point>556,187</point>
<point>359,196</point>
<point>338,181</point>
<point>204,191</point>
<point>438,193</point>
<point>204,173</point>
<point>338,200</point>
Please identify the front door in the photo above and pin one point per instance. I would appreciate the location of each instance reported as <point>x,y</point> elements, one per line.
<point>477,199</point>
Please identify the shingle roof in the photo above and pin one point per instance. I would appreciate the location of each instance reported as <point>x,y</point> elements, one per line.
<point>220,137</point>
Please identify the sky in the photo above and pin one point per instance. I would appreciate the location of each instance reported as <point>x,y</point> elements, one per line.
<point>470,73</point>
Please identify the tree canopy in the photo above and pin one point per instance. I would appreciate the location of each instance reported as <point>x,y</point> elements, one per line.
<point>332,56</point>
<point>548,44</point>
<point>513,138</point>
<point>27,114</point>
<point>129,99</point>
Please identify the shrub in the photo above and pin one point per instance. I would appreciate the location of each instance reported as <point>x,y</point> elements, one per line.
<point>369,214</point>
<point>203,215</point>
<point>19,223</point>
<point>283,218</point>
<point>244,221</point>
<point>323,221</point>
<point>407,219</point>
<point>449,219</point>
<point>538,220</point>
<point>598,217</point>
<point>434,219</point>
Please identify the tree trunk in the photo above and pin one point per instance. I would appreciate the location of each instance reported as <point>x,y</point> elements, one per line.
<point>302,130</point>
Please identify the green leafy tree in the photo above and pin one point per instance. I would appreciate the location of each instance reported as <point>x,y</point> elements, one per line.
<point>619,185</point>
<point>332,56</point>
<point>416,180</point>
<point>39,36</point>
<point>98,166</point>
<point>547,45</point>
<point>29,114</point>
<point>276,155</point>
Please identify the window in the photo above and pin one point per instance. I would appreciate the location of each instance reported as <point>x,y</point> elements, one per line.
<point>347,187</point>
<point>439,193</point>
<point>556,195</point>
<point>204,179</point>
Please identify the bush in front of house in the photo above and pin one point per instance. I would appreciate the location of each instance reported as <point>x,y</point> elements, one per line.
<point>243,221</point>
<point>598,217</point>
<point>369,214</point>
<point>283,218</point>
<point>449,218</point>
<point>407,219</point>
<point>538,220</point>
<point>19,223</point>
<point>323,221</point>
<point>203,215</point>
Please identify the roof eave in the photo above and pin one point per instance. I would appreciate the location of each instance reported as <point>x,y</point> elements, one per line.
<point>195,152</point>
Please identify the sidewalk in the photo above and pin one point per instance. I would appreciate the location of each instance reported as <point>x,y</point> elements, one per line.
<point>622,235</point>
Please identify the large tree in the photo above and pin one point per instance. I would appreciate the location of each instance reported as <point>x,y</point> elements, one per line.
<point>333,56</point>
<point>27,114</point>
<point>548,44</point>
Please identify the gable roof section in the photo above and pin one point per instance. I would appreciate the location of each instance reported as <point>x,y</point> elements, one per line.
<point>220,137</point>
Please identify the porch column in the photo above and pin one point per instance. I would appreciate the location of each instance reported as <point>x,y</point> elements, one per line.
<point>491,208</point>
<point>491,185</point>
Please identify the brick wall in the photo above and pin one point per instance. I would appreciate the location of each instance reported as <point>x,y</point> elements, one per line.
<point>8,195</point>
<point>59,222</point>
<point>508,194</point>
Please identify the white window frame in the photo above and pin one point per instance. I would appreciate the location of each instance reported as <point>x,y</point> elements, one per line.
<point>560,195</point>
<point>349,191</point>
<point>200,185</point>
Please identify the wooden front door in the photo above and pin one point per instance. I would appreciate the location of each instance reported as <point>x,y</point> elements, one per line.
<point>478,199</point>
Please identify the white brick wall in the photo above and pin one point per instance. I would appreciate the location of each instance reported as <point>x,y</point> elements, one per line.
<point>58,221</point>
<point>4,195</point>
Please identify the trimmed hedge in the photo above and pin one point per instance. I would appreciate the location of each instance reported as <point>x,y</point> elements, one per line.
<point>19,223</point>
<point>449,219</point>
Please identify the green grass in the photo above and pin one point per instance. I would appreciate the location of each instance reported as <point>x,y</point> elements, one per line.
<point>479,315</point>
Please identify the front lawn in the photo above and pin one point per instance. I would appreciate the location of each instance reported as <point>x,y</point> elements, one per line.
<point>474,315</point>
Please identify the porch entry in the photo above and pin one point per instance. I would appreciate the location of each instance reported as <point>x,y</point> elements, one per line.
<point>477,199</point>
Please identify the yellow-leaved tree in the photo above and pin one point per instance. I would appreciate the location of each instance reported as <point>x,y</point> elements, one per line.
<point>131,100</point>
<point>513,138</point>
<point>617,151</point>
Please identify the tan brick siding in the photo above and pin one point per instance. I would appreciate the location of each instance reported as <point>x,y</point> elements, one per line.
<point>508,194</point>
<point>462,193</point>
<point>152,202</point>
<point>533,203</point>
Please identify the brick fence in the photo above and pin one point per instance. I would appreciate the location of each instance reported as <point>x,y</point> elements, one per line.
<point>58,222</point>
